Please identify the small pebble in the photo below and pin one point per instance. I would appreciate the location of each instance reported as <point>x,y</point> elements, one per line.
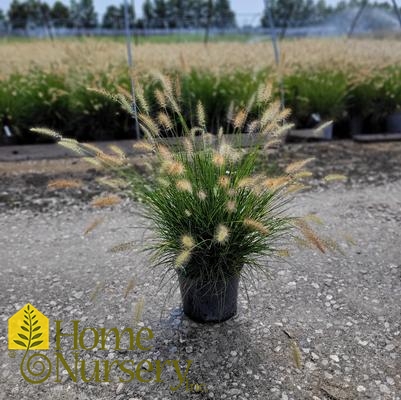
<point>120,388</point>
<point>335,358</point>
<point>390,380</point>
<point>384,389</point>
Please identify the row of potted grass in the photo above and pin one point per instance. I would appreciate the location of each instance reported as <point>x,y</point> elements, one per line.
<point>63,102</point>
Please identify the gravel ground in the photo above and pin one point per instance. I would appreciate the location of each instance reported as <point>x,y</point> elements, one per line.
<point>342,311</point>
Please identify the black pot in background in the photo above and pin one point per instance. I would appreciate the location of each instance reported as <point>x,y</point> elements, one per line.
<point>209,301</point>
<point>356,125</point>
<point>393,123</point>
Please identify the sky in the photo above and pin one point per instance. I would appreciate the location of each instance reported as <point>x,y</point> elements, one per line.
<point>239,6</point>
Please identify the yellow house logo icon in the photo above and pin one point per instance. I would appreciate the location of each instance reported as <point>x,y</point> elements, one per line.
<point>28,329</point>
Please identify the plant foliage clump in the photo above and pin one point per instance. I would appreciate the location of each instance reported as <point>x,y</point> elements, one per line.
<point>212,215</point>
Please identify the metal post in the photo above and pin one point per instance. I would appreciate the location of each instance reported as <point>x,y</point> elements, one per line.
<point>357,16</point>
<point>397,11</point>
<point>209,19</point>
<point>275,47</point>
<point>273,32</point>
<point>131,67</point>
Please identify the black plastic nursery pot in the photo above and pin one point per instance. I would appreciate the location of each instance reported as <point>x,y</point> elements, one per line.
<point>393,123</point>
<point>209,301</point>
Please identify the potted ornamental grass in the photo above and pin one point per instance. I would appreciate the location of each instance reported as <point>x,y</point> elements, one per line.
<point>317,100</point>
<point>214,220</point>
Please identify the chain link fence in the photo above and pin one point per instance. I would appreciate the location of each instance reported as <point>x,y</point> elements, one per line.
<point>359,20</point>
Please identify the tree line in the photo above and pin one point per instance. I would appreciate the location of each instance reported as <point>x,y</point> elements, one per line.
<point>162,14</point>
<point>23,14</point>
<point>308,12</point>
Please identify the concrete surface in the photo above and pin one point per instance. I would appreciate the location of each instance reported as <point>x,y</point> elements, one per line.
<point>342,311</point>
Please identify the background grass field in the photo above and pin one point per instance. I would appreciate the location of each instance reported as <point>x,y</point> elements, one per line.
<point>45,82</point>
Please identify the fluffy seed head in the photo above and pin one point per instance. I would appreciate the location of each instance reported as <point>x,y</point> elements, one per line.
<point>46,132</point>
<point>303,174</point>
<point>93,161</point>
<point>256,226</point>
<point>240,118</point>
<point>296,354</point>
<point>248,182</point>
<point>200,113</point>
<point>106,201</point>
<point>174,168</point>
<point>218,159</point>
<point>201,195</point>
<point>141,98</point>
<point>284,114</point>
<point>296,187</point>
<point>124,92</point>
<point>221,234</point>
<point>166,82</point>
<point>149,124</point>
<point>143,146</point>
<point>270,129</point>
<point>93,225</point>
<point>187,241</point>
<point>177,87</point>
<point>160,98</point>
<point>123,247</point>
<point>125,103</point>
<point>115,183</point>
<point>130,286</point>
<point>231,206</point>
<point>264,93</point>
<point>164,153</point>
<point>182,258</point>
<point>110,160</point>
<point>297,165</point>
<point>90,148</point>
<point>310,235</point>
<point>163,182</point>
<point>224,181</point>
<point>282,253</point>
<point>322,127</point>
<point>184,185</point>
<point>71,145</point>
<point>165,121</point>
<point>270,114</point>
<point>335,177</point>
<point>64,184</point>
<point>275,183</point>
<point>117,151</point>
<point>280,131</point>
<point>138,310</point>
<point>272,143</point>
